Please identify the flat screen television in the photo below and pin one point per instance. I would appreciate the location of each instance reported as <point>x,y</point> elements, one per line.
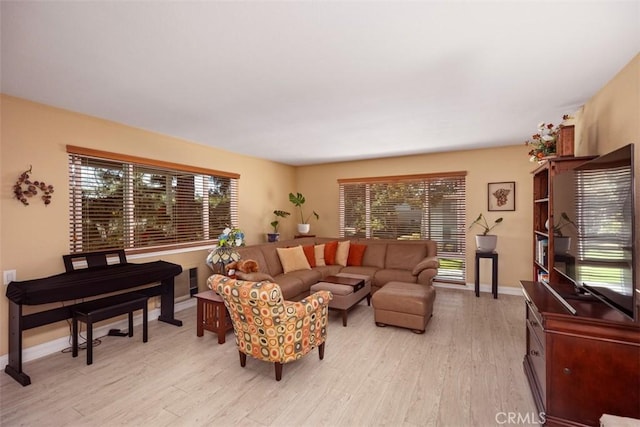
<point>594,210</point>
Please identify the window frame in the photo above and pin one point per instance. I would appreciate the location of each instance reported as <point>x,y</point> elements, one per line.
<point>133,162</point>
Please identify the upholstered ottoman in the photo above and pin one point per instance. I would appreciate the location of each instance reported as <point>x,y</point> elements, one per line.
<point>407,305</point>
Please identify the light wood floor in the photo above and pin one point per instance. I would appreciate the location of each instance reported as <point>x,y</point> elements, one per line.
<point>465,370</point>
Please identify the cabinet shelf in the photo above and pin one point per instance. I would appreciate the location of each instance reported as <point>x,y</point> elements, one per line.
<point>543,178</point>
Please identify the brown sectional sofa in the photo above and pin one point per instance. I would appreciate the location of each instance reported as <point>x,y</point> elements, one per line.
<point>413,261</point>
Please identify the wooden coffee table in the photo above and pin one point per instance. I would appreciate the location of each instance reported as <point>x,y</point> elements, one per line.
<point>343,300</point>
<point>212,315</point>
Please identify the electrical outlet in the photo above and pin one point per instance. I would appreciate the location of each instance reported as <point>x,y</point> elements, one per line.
<point>9,276</point>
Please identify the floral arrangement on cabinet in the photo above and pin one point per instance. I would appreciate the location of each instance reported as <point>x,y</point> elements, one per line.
<point>230,237</point>
<point>543,142</point>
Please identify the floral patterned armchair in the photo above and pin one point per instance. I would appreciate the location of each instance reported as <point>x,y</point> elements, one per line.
<point>269,328</point>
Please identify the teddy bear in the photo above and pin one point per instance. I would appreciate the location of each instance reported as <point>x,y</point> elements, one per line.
<point>242,265</point>
<point>247,269</point>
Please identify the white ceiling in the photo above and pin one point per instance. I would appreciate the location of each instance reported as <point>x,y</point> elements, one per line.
<point>305,82</point>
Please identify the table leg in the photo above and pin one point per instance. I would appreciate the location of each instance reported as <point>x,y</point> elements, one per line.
<point>477,282</point>
<point>494,278</point>
<point>200,318</point>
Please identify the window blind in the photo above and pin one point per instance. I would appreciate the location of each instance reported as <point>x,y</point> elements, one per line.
<point>430,206</point>
<point>126,202</point>
<point>600,243</point>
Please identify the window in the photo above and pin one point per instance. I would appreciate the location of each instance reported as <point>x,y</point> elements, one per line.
<point>126,202</point>
<point>428,206</point>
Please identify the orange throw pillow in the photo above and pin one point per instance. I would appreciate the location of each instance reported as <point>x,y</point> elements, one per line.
<point>356,253</point>
<point>330,249</point>
<point>310,253</point>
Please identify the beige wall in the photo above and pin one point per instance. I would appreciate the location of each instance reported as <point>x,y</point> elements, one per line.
<point>35,237</point>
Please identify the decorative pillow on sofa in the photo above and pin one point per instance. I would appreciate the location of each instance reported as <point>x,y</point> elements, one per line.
<point>342,253</point>
<point>293,259</point>
<point>330,249</point>
<point>254,277</point>
<point>356,253</point>
<point>310,253</point>
<point>319,252</point>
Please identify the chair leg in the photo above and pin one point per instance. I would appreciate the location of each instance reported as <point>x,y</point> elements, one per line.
<point>278,371</point>
<point>243,359</point>
<point>321,351</point>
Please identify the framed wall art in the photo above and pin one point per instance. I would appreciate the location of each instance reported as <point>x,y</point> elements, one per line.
<point>502,196</point>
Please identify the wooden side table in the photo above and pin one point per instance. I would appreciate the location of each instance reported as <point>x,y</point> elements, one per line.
<point>212,315</point>
<point>494,271</point>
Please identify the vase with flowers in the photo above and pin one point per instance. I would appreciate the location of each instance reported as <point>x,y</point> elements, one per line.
<point>544,142</point>
<point>225,252</point>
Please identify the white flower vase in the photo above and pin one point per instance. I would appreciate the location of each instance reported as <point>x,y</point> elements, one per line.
<point>304,228</point>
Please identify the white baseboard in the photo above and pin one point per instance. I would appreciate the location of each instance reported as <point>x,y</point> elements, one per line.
<point>505,290</point>
<point>50,347</point>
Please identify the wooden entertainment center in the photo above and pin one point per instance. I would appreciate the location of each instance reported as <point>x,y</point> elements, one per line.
<point>583,358</point>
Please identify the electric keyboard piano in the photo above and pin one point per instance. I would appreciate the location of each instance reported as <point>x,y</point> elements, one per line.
<point>77,284</point>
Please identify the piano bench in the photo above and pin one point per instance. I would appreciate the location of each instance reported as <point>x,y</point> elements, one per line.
<point>105,308</point>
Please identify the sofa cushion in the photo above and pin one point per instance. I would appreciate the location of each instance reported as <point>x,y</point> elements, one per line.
<point>293,259</point>
<point>330,249</point>
<point>342,253</point>
<point>254,277</point>
<point>374,255</point>
<point>404,256</point>
<point>256,254</point>
<point>364,271</point>
<point>319,252</point>
<point>308,277</point>
<point>356,253</point>
<point>309,252</point>
<point>329,270</point>
<point>292,287</point>
<point>389,275</point>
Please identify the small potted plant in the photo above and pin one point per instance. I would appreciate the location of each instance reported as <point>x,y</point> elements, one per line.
<point>275,236</point>
<point>298,200</point>
<point>485,242</point>
<point>561,244</point>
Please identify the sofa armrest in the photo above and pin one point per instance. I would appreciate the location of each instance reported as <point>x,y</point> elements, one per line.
<point>304,307</point>
<point>428,262</point>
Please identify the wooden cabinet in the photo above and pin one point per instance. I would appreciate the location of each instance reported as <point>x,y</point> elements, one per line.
<point>582,357</point>
<point>543,241</point>
<point>581,366</point>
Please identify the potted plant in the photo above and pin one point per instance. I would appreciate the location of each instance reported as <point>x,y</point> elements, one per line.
<point>561,244</point>
<point>486,242</point>
<point>275,236</point>
<point>298,200</point>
